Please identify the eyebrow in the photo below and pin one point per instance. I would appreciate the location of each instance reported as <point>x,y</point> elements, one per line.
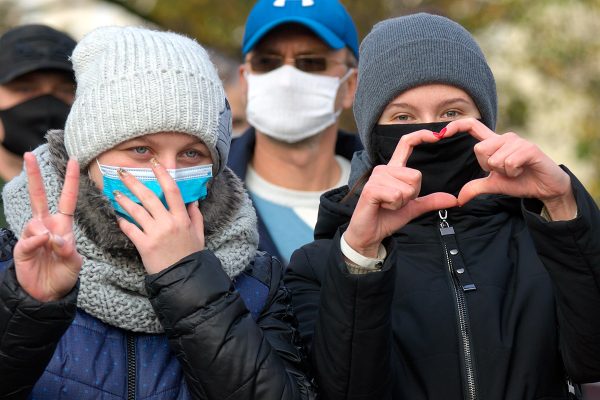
<point>445,103</point>
<point>148,140</point>
<point>454,100</point>
<point>394,106</point>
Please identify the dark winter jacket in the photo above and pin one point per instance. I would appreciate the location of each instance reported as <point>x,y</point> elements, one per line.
<point>498,305</point>
<point>214,348</point>
<point>240,155</point>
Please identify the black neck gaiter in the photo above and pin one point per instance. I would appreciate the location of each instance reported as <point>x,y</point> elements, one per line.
<point>446,165</point>
<point>26,124</point>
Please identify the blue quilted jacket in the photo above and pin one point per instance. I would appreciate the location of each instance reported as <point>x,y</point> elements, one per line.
<point>222,339</point>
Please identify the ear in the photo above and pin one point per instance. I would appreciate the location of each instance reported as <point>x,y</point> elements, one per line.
<point>242,70</point>
<point>350,89</point>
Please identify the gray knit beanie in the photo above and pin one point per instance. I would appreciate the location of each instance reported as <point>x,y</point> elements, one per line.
<point>405,52</point>
<point>134,81</point>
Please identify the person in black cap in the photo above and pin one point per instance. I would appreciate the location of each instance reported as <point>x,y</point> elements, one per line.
<point>37,88</point>
<point>299,73</point>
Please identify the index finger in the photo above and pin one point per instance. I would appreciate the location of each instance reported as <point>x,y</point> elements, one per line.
<point>407,143</point>
<point>35,185</point>
<point>471,126</point>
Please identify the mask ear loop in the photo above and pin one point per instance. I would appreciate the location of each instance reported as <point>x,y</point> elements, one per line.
<point>346,75</point>
<point>342,80</point>
<point>89,170</point>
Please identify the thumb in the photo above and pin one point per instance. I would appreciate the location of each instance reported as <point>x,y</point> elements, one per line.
<point>474,188</point>
<point>431,202</point>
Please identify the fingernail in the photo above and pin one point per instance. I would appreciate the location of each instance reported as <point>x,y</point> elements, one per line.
<point>154,162</point>
<point>59,241</point>
<point>122,173</point>
<point>442,133</point>
<point>436,134</point>
<point>117,194</point>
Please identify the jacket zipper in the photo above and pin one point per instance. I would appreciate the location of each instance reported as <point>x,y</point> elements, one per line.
<point>461,283</point>
<point>130,367</point>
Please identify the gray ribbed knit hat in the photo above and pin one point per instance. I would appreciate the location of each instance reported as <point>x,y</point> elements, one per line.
<point>405,52</point>
<point>134,81</point>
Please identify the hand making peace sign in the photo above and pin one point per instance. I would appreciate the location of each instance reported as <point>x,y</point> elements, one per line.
<point>46,261</point>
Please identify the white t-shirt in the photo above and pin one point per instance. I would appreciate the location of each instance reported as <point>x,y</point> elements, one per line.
<point>289,215</point>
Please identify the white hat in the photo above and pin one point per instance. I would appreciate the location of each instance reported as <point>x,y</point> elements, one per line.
<point>133,82</point>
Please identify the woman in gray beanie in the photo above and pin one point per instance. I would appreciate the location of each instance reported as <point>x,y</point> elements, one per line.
<point>140,277</point>
<point>458,263</point>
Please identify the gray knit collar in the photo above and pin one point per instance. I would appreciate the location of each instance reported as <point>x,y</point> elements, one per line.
<point>112,277</point>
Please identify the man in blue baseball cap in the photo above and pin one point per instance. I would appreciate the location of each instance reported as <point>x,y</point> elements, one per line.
<point>299,73</point>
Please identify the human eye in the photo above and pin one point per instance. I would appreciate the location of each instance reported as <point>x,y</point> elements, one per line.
<point>140,150</point>
<point>451,114</point>
<point>265,62</point>
<point>401,118</point>
<point>311,63</point>
<point>191,153</point>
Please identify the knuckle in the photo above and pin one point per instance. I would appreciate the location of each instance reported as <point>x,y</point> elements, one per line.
<point>511,135</point>
<point>479,147</point>
<point>378,170</point>
<point>172,190</point>
<point>369,191</point>
<point>170,226</point>
<point>405,139</point>
<point>414,175</point>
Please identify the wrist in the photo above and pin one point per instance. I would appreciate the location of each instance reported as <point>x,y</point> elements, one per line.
<point>563,208</point>
<point>357,263</point>
<point>367,250</point>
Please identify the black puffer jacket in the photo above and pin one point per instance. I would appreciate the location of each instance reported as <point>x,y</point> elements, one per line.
<point>223,352</point>
<point>503,308</point>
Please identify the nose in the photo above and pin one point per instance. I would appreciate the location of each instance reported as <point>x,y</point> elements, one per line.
<point>48,88</point>
<point>167,161</point>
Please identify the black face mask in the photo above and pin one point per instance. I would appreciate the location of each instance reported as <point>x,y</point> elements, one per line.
<point>26,124</point>
<point>446,165</point>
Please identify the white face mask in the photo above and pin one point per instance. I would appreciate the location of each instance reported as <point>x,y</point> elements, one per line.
<point>290,105</point>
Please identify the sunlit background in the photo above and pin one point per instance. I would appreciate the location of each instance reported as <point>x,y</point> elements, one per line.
<point>545,54</point>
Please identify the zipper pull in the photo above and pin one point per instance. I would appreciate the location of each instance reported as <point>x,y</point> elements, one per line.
<point>455,260</point>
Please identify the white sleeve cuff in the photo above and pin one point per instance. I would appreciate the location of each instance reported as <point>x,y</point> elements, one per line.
<point>356,260</point>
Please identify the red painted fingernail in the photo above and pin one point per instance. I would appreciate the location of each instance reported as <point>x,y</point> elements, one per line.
<point>436,134</point>
<point>442,132</point>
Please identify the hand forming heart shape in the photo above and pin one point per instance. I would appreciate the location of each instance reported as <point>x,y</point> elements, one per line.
<point>517,167</point>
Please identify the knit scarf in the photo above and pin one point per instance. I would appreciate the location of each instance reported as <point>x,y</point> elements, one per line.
<point>112,276</point>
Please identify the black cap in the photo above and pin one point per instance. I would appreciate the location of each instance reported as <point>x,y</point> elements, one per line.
<point>29,48</point>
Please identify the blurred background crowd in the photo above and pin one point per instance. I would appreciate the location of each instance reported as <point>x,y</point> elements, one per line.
<point>545,55</point>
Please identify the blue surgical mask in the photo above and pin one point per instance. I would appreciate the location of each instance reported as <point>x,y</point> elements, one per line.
<point>192,183</point>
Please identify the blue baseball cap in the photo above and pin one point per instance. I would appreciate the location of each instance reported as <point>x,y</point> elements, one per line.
<point>328,19</point>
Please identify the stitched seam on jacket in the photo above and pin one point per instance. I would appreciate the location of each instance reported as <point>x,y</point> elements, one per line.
<point>352,344</point>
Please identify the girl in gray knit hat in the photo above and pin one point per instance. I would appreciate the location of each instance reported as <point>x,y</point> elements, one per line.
<point>135,273</point>
<point>459,263</point>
